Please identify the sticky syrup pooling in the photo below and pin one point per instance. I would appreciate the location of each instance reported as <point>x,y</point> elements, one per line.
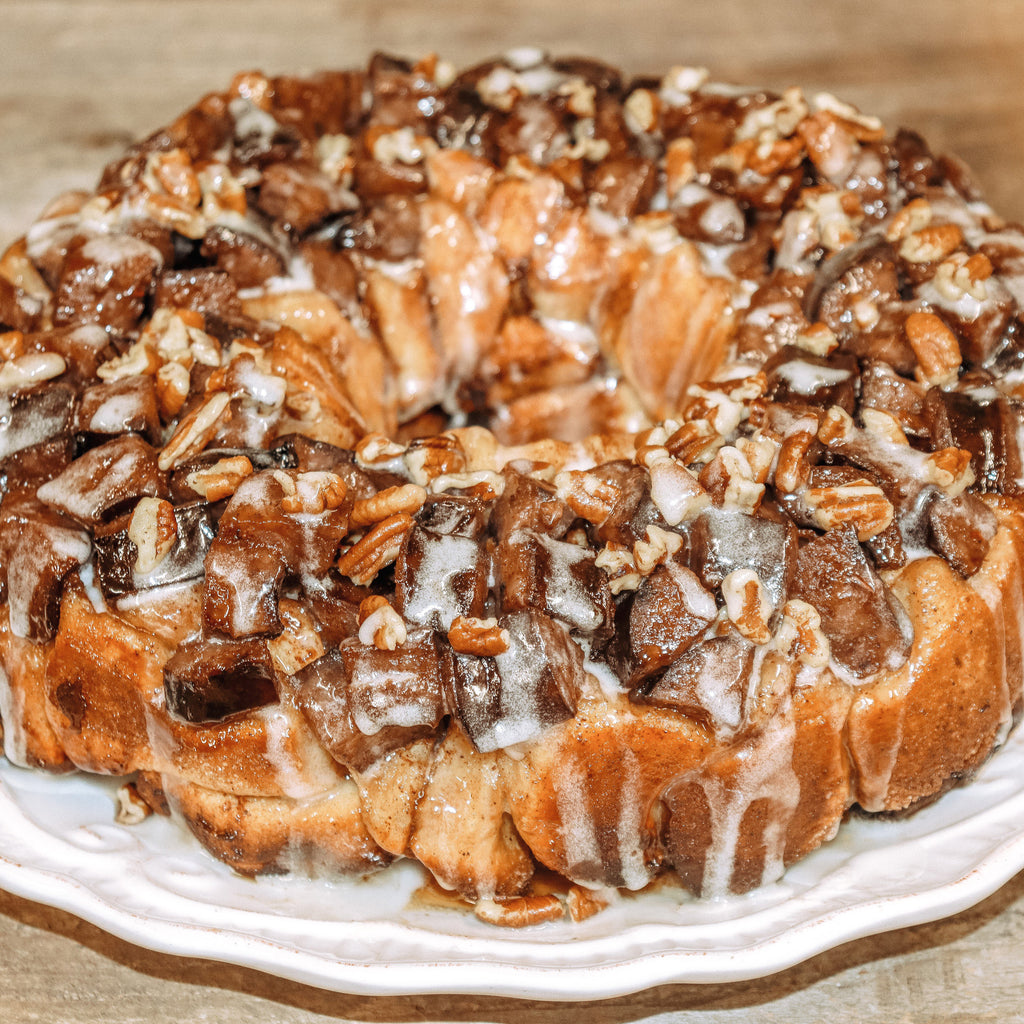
<point>499,426</point>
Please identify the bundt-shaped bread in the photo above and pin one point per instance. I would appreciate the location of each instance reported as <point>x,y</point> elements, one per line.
<point>511,468</point>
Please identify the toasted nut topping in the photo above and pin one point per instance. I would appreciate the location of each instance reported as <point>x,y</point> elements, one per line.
<point>153,530</point>
<point>659,546</point>
<point>760,454</point>
<point>588,495</point>
<point>580,96</point>
<point>12,344</point>
<point>195,431</point>
<point>617,561</point>
<point>379,548</point>
<point>675,490</point>
<point>131,808</point>
<point>962,275</point>
<point>172,172</point>
<point>139,359</point>
<point>521,912</point>
<point>917,214</point>
<point>680,164</point>
<point>931,243</point>
<point>837,426</point>
<point>31,368</point>
<point>403,498</point>
<point>369,605</point>
<point>313,493</point>
<point>432,457</point>
<point>695,441</point>
<point>730,476</point>
<point>647,454</point>
<point>723,413</point>
<point>376,449</point>
<point>221,479</point>
<point>641,113</point>
<point>859,503</point>
<point>482,637</point>
<point>614,558</point>
<point>884,425</point>
<point>222,192</point>
<point>298,644</point>
<point>480,483</point>
<point>748,605</point>
<point>936,348</point>
<point>172,384</point>
<point>835,218</point>
<point>950,469</point>
<point>584,903</point>
<point>401,145</point>
<point>799,634</point>
<point>792,469</point>
<point>380,625</point>
<point>819,339</point>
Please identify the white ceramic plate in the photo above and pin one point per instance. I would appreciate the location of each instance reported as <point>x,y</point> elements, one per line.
<point>150,884</point>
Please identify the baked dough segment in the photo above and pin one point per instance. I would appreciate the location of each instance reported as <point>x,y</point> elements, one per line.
<point>914,731</point>
<point>613,263</point>
<point>29,739</point>
<point>102,677</point>
<point>460,830</point>
<point>105,700</point>
<point>676,332</point>
<point>586,795</point>
<point>268,835</point>
<point>764,802</point>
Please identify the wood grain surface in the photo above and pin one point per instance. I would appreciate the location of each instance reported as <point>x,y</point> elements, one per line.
<point>81,78</point>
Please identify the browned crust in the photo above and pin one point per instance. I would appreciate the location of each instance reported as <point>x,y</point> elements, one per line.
<point>258,835</point>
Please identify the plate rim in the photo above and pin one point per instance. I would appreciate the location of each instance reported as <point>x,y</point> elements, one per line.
<point>490,967</point>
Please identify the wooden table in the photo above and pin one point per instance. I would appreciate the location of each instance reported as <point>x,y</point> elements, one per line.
<point>78,80</point>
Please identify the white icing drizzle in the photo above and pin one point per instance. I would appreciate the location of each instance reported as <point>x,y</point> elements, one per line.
<point>805,378</point>
<point>608,682</point>
<point>112,415</point>
<point>521,669</point>
<point>62,542</point>
<point>635,873</point>
<point>766,774</point>
<point>566,597</point>
<point>1008,616</point>
<point>575,821</point>
<point>289,771</point>
<point>444,558</point>
<point>12,715</point>
<point>390,697</point>
<point>88,577</point>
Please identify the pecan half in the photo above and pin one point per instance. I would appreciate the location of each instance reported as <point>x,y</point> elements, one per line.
<point>860,503</point>
<point>521,912</point>
<point>408,498</point>
<point>194,431</point>
<point>376,550</point>
<point>221,479</point>
<point>936,348</point>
